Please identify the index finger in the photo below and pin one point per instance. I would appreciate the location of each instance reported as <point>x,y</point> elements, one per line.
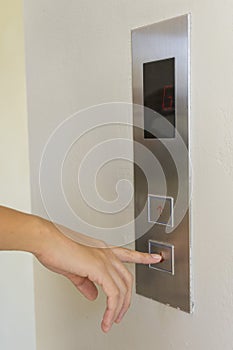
<point>133,256</point>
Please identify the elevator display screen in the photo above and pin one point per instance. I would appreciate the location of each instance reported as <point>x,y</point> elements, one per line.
<point>159,98</point>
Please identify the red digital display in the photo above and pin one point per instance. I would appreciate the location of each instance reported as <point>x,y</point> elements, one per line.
<point>168,98</point>
<point>159,97</point>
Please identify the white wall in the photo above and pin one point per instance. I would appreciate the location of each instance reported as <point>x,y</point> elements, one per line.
<point>78,55</point>
<point>17,317</point>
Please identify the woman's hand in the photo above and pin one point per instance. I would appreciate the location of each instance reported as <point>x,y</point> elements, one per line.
<point>95,264</point>
<point>85,263</point>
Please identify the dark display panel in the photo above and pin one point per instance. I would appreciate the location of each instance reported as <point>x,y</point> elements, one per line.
<point>159,98</point>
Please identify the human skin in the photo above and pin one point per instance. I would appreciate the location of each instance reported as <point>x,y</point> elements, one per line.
<point>86,262</point>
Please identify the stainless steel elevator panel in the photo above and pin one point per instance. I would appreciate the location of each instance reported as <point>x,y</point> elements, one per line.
<point>161,60</point>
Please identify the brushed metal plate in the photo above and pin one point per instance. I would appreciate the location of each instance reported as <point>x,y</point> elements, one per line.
<point>159,41</point>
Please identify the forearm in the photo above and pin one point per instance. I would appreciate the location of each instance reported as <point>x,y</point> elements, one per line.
<point>26,232</point>
<point>20,231</point>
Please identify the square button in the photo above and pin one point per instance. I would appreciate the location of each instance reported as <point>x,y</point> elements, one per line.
<point>160,210</point>
<point>166,250</point>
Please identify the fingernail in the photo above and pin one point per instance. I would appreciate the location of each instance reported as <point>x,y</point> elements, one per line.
<point>106,328</point>
<point>156,256</point>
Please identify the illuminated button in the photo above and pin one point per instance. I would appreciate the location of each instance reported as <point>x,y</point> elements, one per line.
<point>160,210</point>
<point>166,250</point>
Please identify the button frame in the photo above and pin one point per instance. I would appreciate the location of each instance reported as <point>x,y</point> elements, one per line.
<point>170,222</point>
<point>169,249</point>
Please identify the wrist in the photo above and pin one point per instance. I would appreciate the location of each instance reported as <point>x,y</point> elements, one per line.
<point>44,233</point>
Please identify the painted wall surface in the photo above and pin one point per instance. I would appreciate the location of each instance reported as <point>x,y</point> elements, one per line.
<point>78,55</point>
<point>17,317</point>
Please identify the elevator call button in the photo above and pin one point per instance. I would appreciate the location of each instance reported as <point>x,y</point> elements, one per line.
<point>160,210</point>
<point>166,250</point>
